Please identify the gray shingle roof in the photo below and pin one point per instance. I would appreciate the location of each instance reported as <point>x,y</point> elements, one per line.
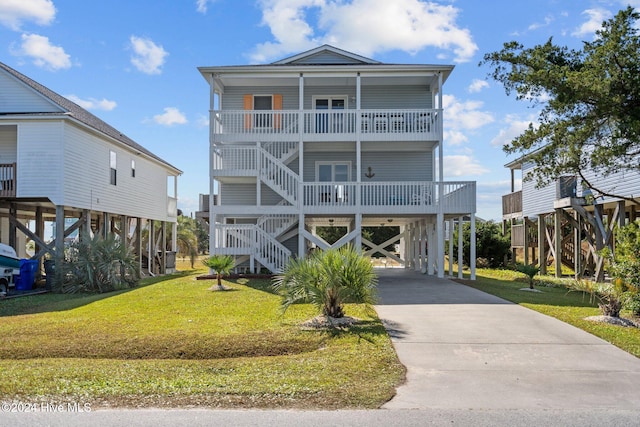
<point>82,115</point>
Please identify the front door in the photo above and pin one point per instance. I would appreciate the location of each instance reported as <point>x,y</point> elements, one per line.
<point>330,114</point>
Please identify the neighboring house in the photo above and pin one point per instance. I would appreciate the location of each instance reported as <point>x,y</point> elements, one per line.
<point>330,138</point>
<point>60,164</point>
<point>572,221</point>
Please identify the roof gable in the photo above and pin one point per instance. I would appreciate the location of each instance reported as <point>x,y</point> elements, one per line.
<point>326,55</point>
<point>59,104</point>
<point>16,97</point>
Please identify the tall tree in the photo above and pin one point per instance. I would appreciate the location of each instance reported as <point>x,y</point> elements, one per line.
<point>590,99</point>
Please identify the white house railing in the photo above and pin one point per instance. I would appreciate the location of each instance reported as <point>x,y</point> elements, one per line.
<point>318,124</point>
<point>416,196</point>
<point>249,239</point>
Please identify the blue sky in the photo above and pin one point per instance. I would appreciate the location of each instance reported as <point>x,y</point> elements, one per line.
<point>133,63</point>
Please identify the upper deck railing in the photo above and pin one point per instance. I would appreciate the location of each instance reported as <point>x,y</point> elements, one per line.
<point>8,180</point>
<point>512,203</point>
<point>321,125</point>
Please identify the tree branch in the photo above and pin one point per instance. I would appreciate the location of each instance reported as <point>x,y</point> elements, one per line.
<point>604,193</point>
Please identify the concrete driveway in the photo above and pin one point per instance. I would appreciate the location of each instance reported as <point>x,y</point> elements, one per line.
<point>465,349</point>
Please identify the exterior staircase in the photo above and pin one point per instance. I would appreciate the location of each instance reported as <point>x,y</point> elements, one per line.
<point>261,240</point>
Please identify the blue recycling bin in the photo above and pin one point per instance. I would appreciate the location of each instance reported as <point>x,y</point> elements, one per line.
<point>27,278</point>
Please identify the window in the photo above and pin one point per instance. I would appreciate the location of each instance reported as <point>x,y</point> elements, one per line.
<point>133,168</point>
<point>112,166</point>
<point>333,172</point>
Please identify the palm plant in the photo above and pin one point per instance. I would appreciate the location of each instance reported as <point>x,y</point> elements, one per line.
<point>610,296</point>
<point>99,264</point>
<point>529,270</point>
<point>187,242</point>
<point>328,280</point>
<point>221,264</point>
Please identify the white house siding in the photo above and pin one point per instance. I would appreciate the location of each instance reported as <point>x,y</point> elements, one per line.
<point>325,58</point>
<point>8,144</point>
<point>373,97</point>
<point>398,166</point>
<point>87,179</point>
<point>17,98</point>
<point>268,197</point>
<point>536,200</point>
<point>624,183</point>
<point>541,200</point>
<point>396,97</point>
<point>238,194</point>
<point>40,152</point>
<point>233,98</point>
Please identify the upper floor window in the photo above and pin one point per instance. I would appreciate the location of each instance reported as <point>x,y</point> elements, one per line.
<point>112,168</point>
<point>133,168</point>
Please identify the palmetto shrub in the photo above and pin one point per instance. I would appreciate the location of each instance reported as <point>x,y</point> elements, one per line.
<point>221,264</point>
<point>99,264</point>
<point>328,280</point>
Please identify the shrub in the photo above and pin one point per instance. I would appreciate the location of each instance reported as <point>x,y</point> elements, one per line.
<point>491,245</point>
<point>610,295</point>
<point>328,280</point>
<point>221,264</point>
<point>529,270</point>
<point>99,264</point>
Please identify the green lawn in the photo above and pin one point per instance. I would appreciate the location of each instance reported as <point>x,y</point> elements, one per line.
<point>556,301</point>
<point>171,342</point>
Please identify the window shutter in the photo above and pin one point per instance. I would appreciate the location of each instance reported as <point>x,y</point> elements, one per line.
<point>277,105</point>
<point>248,105</point>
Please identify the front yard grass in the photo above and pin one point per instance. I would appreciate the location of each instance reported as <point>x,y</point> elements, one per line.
<point>171,342</point>
<point>556,301</point>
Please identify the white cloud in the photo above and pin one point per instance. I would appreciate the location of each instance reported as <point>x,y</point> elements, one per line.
<point>463,165</point>
<point>362,26</point>
<point>202,121</point>
<point>92,103</point>
<point>477,85</point>
<point>547,21</point>
<point>43,53</point>
<point>454,137</point>
<point>515,127</point>
<point>594,22</point>
<point>148,57</point>
<point>14,12</point>
<point>171,116</point>
<point>464,115</point>
<point>202,5</point>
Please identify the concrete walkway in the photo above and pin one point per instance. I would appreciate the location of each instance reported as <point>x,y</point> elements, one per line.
<point>465,349</point>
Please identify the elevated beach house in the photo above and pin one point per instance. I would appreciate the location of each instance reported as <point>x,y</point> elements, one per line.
<point>328,138</point>
<point>564,223</point>
<point>62,170</point>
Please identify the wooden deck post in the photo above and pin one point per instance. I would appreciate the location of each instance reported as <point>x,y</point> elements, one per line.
<point>542,253</point>
<point>59,247</point>
<point>557,259</point>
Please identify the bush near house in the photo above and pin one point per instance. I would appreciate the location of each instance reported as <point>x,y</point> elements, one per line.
<point>492,248</point>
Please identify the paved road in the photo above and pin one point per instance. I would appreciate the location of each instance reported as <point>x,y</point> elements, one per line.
<point>472,360</point>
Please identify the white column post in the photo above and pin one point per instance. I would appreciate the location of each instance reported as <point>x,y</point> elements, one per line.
<point>451,247</point>
<point>460,246</point>
<point>431,249</point>
<point>472,246</point>
<point>440,243</point>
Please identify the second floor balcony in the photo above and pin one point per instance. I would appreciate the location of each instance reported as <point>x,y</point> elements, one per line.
<point>512,205</point>
<point>8,180</point>
<point>325,125</point>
